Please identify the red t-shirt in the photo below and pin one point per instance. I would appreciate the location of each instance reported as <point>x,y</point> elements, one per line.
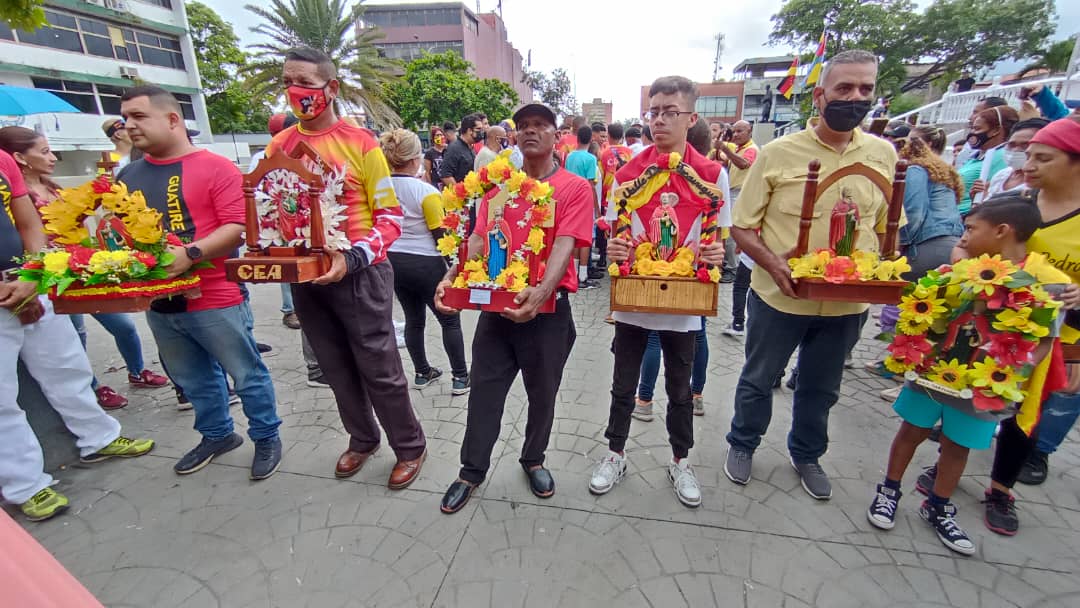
<point>196,194</point>
<point>12,186</point>
<point>690,205</point>
<point>566,145</point>
<point>573,217</point>
<point>611,160</point>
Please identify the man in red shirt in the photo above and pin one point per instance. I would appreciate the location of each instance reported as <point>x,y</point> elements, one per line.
<point>614,156</point>
<point>569,142</point>
<point>520,340</point>
<point>200,197</point>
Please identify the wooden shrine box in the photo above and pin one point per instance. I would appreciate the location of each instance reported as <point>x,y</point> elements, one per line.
<point>666,295</point>
<point>869,292</point>
<point>277,264</point>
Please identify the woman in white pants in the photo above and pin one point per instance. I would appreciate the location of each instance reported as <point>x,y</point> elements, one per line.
<point>50,348</point>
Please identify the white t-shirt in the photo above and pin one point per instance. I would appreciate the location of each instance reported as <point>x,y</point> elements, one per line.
<point>255,158</point>
<point>416,197</point>
<point>997,183</point>
<point>636,148</point>
<point>484,157</point>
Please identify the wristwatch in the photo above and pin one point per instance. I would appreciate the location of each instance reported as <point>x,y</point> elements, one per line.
<point>194,253</point>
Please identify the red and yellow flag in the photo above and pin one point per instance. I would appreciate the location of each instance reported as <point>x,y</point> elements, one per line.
<point>787,87</point>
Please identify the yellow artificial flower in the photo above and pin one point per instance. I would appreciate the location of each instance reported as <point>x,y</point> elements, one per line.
<point>514,183</point>
<point>644,266</point>
<point>535,242</point>
<point>952,295</point>
<point>714,274</point>
<point>1037,266</point>
<point>865,264</point>
<point>682,268</point>
<point>473,185</point>
<point>811,265</point>
<point>459,281</point>
<point>613,269</point>
<point>103,262</point>
<point>983,273</point>
<point>450,200</point>
<point>952,374</point>
<point>56,262</point>
<point>542,191</point>
<point>144,226</point>
<point>684,254</point>
<point>662,268</point>
<point>911,327</point>
<point>1001,379</point>
<point>447,244</point>
<point>1019,320</point>
<point>514,277</point>
<point>643,251</point>
<point>921,310</point>
<point>897,367</point>
<point>921,292</point>
<point>890,270</point>
<point>497,168</point>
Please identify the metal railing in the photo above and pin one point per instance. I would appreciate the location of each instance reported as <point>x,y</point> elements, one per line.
<point>956,108</point>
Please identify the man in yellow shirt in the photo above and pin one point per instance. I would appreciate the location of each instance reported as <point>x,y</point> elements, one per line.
<point>766,227</point>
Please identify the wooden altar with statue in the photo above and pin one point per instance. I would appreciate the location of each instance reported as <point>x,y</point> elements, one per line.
<point>290,187</point>
<point>660,276</point>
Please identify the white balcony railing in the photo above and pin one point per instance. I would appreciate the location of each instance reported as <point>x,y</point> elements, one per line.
<point>956,108</point>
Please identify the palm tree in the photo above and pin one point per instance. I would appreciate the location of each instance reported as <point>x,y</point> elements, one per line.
<point>1054,59</point>
<point>330,26</point>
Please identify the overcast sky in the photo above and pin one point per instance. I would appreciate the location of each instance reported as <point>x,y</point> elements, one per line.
<point>608,46</point>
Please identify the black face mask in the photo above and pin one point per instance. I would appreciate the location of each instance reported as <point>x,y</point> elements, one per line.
<point>978,140</point>
<point>842,115</point>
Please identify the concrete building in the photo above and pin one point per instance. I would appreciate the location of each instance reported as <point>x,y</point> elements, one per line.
<point>597,110</point>
<point>718,101</point>
<point>89,52</point>
<point>760,77</point>
<point>412,29</point>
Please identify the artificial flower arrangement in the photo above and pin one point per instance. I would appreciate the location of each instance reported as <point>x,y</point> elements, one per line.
<point>107,253</point>
<point>662,273</point>
<point>970,330</point>
<point>489,279</point>
<point>282,200</point>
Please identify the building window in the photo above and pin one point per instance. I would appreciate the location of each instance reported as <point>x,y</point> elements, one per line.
<point>413,17</point>
<point>716,106</point>
<point>161,3</point>
<point>78,94</point>
<point>472,24</point>
<point>103,39</point>
<point>407,51</point>
<point>109,96</point>
<point>187,107</point>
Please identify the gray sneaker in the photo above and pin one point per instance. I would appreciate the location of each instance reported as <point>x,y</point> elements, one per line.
<point>738,464</point>
<point>814,480</point>
<point>699,406</point>
<point>642,411</point>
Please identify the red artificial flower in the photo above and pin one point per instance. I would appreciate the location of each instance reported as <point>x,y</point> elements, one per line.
<point>910,349</point>
<point>102,185</point>
<point>997,298</point>
<point>172,239</point>
<point>510,280</point>
<point>147,259</point>
<point>539,215</point>
<point>841,270</point>
<point>507,172</point>
<point>452,221</point>
<point>483,174</point>
<point>526,187</point>
<point>703,275</point>
<point>33,265</point>
<point>460,191</point>
<point>987,401</point>
<point>1008,348</point>
<point>1020,299</point>
<point>624,268</point>
<point>603,225</point>
<point>80,257</point>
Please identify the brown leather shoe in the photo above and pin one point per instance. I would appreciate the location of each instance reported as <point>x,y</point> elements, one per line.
<point>405,472</point>
<point>351,462</point>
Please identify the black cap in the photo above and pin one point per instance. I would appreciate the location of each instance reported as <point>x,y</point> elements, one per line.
<point>535,109</point>
<point>193,132</point>
<point>897,130</point>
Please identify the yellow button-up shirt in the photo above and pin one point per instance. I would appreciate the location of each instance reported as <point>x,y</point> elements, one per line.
<point>771,201</point>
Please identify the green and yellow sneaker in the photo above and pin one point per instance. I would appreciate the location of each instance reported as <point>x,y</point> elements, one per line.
<point>122,447</point>
<point>44,505</point>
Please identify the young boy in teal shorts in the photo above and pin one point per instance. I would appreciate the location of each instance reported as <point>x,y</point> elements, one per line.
<point>998,227</point>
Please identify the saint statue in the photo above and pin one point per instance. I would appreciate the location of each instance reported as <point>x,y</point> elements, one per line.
<point>498,244</point>
<point>843,225</point>
<point>664,227</point>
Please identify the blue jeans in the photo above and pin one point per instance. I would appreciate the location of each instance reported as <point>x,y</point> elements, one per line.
<point>193,344</point>
<point>650,364</point>
<point>122,328</point>
<point>771,337</point>
<point>286,299</point>
<point>1059,414</point>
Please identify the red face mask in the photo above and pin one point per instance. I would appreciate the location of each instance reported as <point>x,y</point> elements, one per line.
<point>307,103</point>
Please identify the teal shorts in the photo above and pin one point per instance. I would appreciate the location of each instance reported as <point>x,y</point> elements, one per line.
<point>921,410</point>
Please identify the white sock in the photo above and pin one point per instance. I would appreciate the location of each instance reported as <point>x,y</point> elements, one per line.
<point>582,272</point>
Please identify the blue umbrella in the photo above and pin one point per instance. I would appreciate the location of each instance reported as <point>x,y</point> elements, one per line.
<point>18,101</point>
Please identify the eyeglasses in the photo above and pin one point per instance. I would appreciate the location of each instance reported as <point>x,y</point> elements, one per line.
<point>665,114</point>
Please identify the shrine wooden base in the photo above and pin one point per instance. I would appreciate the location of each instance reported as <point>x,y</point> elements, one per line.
<point>67,306</point>
<point>1071,352</point>
<point>489,300</point>
<point>863,292</point>
<point>282,265</point>
<point>664,295</point>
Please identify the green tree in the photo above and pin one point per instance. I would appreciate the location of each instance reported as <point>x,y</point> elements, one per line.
<point>232,106</point>
<point>441,87</point>
<point>330,26</point>
<point>25,15</point>
<point>1054,58</point>
<point>950,35</point>
<point>554,90</point>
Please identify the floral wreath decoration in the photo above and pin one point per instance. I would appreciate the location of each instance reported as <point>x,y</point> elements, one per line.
<point>104,243</point>
<point>647,259</point>
<point>466,194</point>
<point>282,199</point>
<point>970,330</point>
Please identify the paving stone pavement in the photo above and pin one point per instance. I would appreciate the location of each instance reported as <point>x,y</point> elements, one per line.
<point>138,535</point>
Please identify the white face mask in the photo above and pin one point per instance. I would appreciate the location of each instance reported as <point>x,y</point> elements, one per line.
<point>1015,159</point>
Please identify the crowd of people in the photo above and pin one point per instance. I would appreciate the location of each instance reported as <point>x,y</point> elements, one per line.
<point>1010,189</point>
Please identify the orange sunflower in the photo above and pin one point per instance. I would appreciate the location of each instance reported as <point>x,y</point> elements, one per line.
<point>921,310</point>
<point>984,273</point>
<point>952,374</point>
<point>1002,380</point>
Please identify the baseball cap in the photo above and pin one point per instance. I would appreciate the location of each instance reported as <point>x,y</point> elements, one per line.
<point>111,126</point>
<point>897,130</point>
<point>281,121</point>
<point>535,109</point>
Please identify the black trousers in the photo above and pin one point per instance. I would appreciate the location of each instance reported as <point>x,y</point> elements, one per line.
<point>1012,450</point>
<point>415,279</point>
<point>738,294</point>
<point>678,350</point>
<point>501,348</point>
<point>601,244</point>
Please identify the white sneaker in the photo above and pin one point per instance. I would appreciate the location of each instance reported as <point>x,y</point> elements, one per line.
<point>608,473</point>
<point>685,483</point>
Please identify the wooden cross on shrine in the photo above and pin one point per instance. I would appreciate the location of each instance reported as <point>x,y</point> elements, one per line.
<point>107,164</point>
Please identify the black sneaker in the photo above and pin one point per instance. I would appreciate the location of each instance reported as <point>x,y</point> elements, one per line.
<point>317,381</point>
<point>1035,469</point>
<point>267,458</point>
<point>264,348</point>
<point>814,480</point>
<point>460,386</point>
<point>597,273</point>
<point>205,452</point>
<point>882,512</point>
<point>1001,514</point>
<point>735,330</point>
<point>587,284</point>
<point>182,402</point>
<point>925,483</point>
<point>422,380</point>
<point>943,520</point>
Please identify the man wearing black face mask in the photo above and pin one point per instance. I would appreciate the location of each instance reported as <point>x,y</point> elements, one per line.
<point>766,227</point>
<point>459,156</point>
